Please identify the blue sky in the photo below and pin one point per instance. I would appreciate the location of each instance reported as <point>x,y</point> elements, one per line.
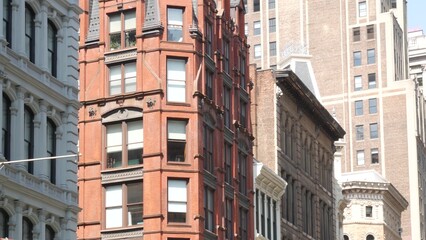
<point>416,11</point>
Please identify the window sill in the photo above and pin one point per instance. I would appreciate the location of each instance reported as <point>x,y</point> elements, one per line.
<point>181,225</point>
<point>122,169</point>
<point>178,163</point>
<point>123,229</point>
<point>184,104</point>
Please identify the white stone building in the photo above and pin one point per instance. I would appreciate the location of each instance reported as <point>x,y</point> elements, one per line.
<point>39,105</point>
<point>417,55</point>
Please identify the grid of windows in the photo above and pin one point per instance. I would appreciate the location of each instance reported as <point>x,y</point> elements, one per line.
<point>360,157</point>
<point>122,30</point>
<point>371,56</point>
<point>272,25</point>
<point>174,24</point>
<point>372,102</point>
<point>359,129</point>
<point>357,58</point>
<point>122,78</point>
<point>359,108</point>
<point>176,80</point>
<point>371,80</point>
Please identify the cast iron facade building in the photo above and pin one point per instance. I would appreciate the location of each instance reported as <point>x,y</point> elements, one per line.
<point>165,131</point>
<point>39,107</point>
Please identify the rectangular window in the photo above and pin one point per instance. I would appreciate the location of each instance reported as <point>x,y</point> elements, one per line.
<point>359,108</point>
<point>370,31</point>
<point>374,131</point>
<point>257,51</point>
<point>174,24</point>
<point>272,48</point>
<point>359,132</point>
<point>256,28</point>
<point>122,78</point>
<point>176,80</point>
<point>374,155</point>
<point>372,103</point>
<point>368,211</point>
<point>271,4</point>
<point>243,113</point>
<point>6,128</point>
<point>209,209</point>
<point>7,20</point>
<point>243,72</point>
<point>357,58</point>
<point>242,172</point>
<point>360,157</point>
<point>371,80</point>
<point>209,39</point>
<point>130,213</point>
<point>29,33</point>
<point>177,199</point>
<point>228,163</point>
<point>272,25</point>
<point>122,30</point>
<point>229,233</point>
<point>176,140</point>
<point>358,83</point>
<point>124,149</point>
<point>243,223</point>
<point>227,106</point>
<point>209,84</point>
<point>356,34</point>
<point>208,148</point>
<point>256,5</point>
<point>371,56</point>
<point>226,65</point>
<point>362,9</point>
<point>246,29</point>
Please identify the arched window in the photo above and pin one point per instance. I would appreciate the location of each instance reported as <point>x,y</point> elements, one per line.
<point>4,223</point>
<point>345,237</point>
<point>49,233</point>
<point>27,229</point>
<point>52,48</point>
<point>370,237</point>
<point>29,138</point>
<point>29,33</point>
<point>5,148</point>
<point>7,20</point>
<point>51,149</point>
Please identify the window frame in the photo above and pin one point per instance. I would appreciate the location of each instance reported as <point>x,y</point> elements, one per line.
<point>6,128</point>
<point>359,107</point>
<point>127,39</point>
<point>178,141</point>
<point>209,209</point>
<point>49,233</point>
<point>257,51</point>
<point>175,26</point>
<point>7,21</point>
<point>256,28</point>
<point>372,105</point>
<point>226,56</point>
<point>227,152</point>
<point>209,38</point>
<point>256,5</point>
<point>243,80</point>
<point>30,33</point>
<point>243,113</point>
<point>29,140</point>
<point>243,223</point>
<point>271,4</point>
<point>208,149</point>
<point>51,149</point>
<point>371,80</point>
<point>374,130</point>
<point>242,173</point>
<point>229,223</point>
<point>209,83</point>
<point>369,211</point>
<point>124,127</point>
<point>375,156</point>
<point>4,223</point>
<point>357,58</point>
<point>371,56</point>
<point>171,216</point>
<point>362,9</point>
<point>272,24</point>
<point>178,82</point>
<point>123,79</point>
<point>227,95</point>
<point>27,229</point>
<point>52,48</point>
<point>358,83</point>
<point>273,48</point>
<point>356,34</point>
<point>359,132</point>
<point>370,32</point>
<point>360,157</point>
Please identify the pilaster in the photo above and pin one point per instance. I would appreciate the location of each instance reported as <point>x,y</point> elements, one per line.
<point>18,20</point>
<point>41,168</point>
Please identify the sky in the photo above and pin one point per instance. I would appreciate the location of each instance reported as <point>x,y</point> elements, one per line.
<point>416,11</point>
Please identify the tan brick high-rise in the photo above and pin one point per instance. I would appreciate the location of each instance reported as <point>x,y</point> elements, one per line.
<point>359,59</point>
<point>165,132</point>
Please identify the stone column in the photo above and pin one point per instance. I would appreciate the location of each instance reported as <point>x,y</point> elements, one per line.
<point>41,168</point>
<point>61,146</point>
<point>18,21</point>
<point>17,125</point>
<point>18,217</point>
<point>42,224</point>
<point>41,37</point>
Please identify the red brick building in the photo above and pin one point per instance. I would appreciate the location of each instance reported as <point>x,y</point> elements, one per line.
<point>165,132</point>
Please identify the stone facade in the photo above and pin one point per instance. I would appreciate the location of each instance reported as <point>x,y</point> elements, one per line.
<point>39,105</point>
<point>294,137</point>
<point>165,130</point>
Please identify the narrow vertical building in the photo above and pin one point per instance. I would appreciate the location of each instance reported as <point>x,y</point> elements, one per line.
<point>165,132</point>
<point>39,117</point>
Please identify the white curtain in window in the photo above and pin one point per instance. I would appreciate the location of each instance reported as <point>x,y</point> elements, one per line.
<point>130,20</point>
<point>115,79</point>
<point>177,195</point>
<point>135,135</point>
<point>114,23</point>
<point>176,130</point>
<point>360,157</point>
<point>130,76</point>
<point>174,16</point>
<point>176,76</point>
<point>113,204</point>
<point>114,138</point>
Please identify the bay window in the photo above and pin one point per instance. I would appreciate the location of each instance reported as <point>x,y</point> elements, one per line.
<point>176,80</point>
<point>122,30</point>
<point>124,143</point>
<point>176,140</point>
<point>177,199</point>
